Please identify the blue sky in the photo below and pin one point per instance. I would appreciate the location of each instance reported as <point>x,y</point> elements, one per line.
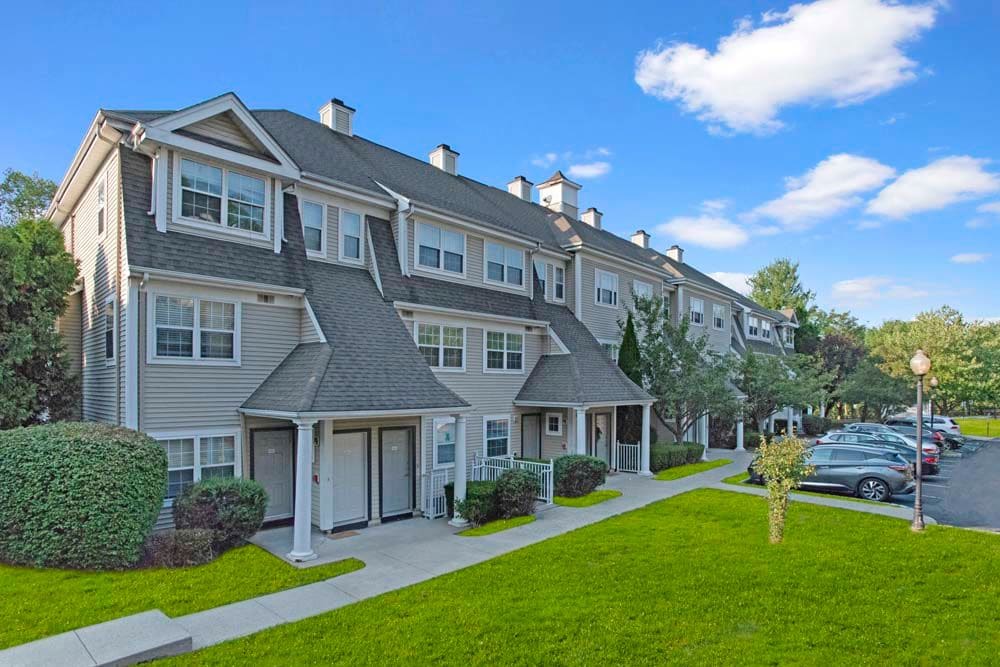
<point>857,137</point>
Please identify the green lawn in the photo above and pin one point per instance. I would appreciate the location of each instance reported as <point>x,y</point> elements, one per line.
<point>983,427</point>
<point>677,472</point>
<point>688,580</point>
<point>497,526</point>
<point>38,603</point>
<point>591,498</point>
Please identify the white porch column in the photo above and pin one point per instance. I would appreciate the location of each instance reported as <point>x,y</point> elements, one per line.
<point>789,420</point>
<point>581,430</point>
<point>703,435</point>
<point>770,424</point>
<point>302,541</point>
<point>644,443</point>
<point>461,470</point>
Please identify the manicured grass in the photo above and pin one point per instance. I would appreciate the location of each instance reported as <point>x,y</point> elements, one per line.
<point>39,603</point>
<point>591,498</point>
<point>738,478</point>
<point>689,580</point>
<point>497,526</point>
<point>677,472</point>
<point>982,427</point>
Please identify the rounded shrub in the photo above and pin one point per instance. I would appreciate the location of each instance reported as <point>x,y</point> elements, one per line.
<point>665,455</point>
<point>479,505</point>
<point>183,547</point>
<point>515,493</point>
<point>577,475</point>
<point>233,508</point>
<point>78,495</point>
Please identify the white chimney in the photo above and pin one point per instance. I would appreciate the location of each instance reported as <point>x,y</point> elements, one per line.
<point>338,117</point>
<point>592,217</point>
<point>676,253</point>
<point>641,239</point>
<point>445,159</point>
<point>558,193</point>
<point>520,187</point>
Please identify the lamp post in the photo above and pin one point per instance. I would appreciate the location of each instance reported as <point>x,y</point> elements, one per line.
<point>920,365</point>
<point>930,398</point>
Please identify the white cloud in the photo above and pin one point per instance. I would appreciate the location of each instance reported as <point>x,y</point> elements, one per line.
<point>589,169</point>
<point>979,223</point>
<point>935,186</point>
<point>991,207</point>
<point>970,257</point>
<point>830,187</point>
<point>865,225</point>
<point>545,160</point>
<point>714,205</point>
<point>839,51</point>
<point>733,280</point>
<point>710,231</point>
<point>859,291</point>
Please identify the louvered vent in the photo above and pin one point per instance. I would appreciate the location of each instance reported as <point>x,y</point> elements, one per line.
<point>265,298</point>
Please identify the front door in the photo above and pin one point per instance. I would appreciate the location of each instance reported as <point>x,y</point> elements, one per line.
<point>273,468</point>
<point>350,477</point>
<point>531,436</point>
<point>601,436</point>
<point>396,472</point>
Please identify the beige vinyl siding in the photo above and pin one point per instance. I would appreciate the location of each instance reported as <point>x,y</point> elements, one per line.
<point>334,206</point>
<point>69,326</point>
<point>192,396</point>
<point>719,340</point>
<point>307,330</point>
<point>224,127</point>
<point>603,320</point>
<point>553,446</point>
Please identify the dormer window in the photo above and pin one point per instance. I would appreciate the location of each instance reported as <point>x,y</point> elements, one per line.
<point>314,227</point>
<point>350,236</point>
<point>753,327</point>
<point>605,288</point>
<point>540,275</point>
<point>440,249</point>
<point>210,194</point>
<point>765,330</point>
<point>504,265</point>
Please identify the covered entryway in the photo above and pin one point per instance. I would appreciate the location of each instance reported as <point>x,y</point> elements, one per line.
<point>350,477</point>
<point>531,436</point>
<point>600,436</point>
<point>397,472</point>
<point>272,465</point>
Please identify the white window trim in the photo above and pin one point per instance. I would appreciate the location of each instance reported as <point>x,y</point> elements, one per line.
<point>321,253</point>
<point>222,225</point>
<point>465,345</point>
<point>692,311</point>
<point>716,306</point>
<point>434,445</point>
<point>504,283</point>
<point>549,415</point>
<point>555,282</point>
<point>196,360</point>
<point>524,351</point>
<point>597,289</point>
<point>764,328</point>
<point>113,302</point>
<point>361,240</point>
<point>612,341</point>
<point>750,325</point>
<point>417,266</point>
<point>102,183</point>
<point>544,278</point>
<point>510,433</point>
<point>635,291</point>
<point>198,435</point>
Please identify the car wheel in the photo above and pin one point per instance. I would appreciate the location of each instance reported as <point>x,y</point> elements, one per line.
<point>875,489</point>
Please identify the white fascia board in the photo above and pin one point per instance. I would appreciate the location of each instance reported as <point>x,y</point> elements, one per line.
<point>371,253</point>
<point>623,263</point>
<point>558,341</point>
<point>190,145</point>
<point>314,321</point>
<point>468,314</point>
<point>434,213</point>
<point>351,414</point>
<point>100,140</point>
<point>198,279</point>
<point>324,184</point>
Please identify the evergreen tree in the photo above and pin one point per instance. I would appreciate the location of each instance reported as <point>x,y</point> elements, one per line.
<point>630,416</point>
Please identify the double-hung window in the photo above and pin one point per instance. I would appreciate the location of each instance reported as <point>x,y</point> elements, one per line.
<point>504,264</point>
<point>497,435</point>
<point>641,290</point>
<point>440,249</point>
<point>753,327</point>
<point>765,330</point>
<point>789,336</point>
<point>110,339</point>
<point>444,442</point>
<point>101,206</point>
<point>194,328</point>
<point>504,351</point>
<point>314,227</point>
<point>697,311</point>
<point>245,208</point>
<point>210,194</point>
<point>558,283</point>
<point>442,346</point>
<point>718,316</point>
<point>605,288</point>
<point>350,236</point>
<point>194,458</point>
<point>540,276</point>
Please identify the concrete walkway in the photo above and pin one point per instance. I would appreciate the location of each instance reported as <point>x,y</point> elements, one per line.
<point>396,555</point>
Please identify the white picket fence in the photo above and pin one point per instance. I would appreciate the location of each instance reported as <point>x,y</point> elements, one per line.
<point>435,504</point>
<point>625,457</point>
<point>489,469</point>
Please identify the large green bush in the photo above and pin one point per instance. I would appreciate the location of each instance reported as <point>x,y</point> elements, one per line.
<point>183,547</point>
<point>479,505</point>
<point>577,475</point>
<point>78,495</point>
<point>515,493</point>
<point>233,508</point>
<point>665,455</point>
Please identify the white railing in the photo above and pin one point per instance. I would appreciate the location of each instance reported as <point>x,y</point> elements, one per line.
<point>626,457</point>
<point>435,503</point>
<point>489,469</point>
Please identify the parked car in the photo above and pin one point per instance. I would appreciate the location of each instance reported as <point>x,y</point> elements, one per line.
<point>895,441</point>
<point>937,437</point>
<point>940,422</point>
<point>867,472</point>
<point>866,427</point>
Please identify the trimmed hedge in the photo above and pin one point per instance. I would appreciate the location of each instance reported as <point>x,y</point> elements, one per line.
<point>665,455</point>
<point>577,475</point>
<point>815,425</point>
<point>183,547</point>
<point>479,505</point>
<point>78,495</point>
<point>515,493</point>
<point>232,508</point>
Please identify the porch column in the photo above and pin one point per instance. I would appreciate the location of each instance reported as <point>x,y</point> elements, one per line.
<point>703,422</point>
<point>581,430</point>
<point>789,420</point>
<point>644,443</point>
<point>302,541</point>
<point>461,471</point>
<point>739,434</point>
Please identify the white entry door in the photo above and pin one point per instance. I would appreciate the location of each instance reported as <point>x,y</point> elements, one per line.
<point>350,477</point>
<point>602,434</point>
<point>396,472</point>
<point>272,468</point>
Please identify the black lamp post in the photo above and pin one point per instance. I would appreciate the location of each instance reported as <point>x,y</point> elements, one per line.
<point>930,398</point>
<point>920,365</point>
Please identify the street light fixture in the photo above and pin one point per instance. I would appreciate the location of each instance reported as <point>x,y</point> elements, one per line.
<point>920,365</point>
<point>930,398</point>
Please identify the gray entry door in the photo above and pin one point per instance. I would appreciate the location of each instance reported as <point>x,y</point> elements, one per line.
<point>273,468</point>
<point>531,436</point>
<point>602,434</point>
<point>397,471</point>
<point>350,477</point>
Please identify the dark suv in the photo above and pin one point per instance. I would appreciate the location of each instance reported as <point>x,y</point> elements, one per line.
<point>871,473</point>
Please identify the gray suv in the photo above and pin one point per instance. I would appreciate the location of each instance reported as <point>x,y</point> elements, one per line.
<point>871,473</point>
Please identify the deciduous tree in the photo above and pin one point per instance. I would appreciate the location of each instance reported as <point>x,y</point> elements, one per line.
<point>23,197</point>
